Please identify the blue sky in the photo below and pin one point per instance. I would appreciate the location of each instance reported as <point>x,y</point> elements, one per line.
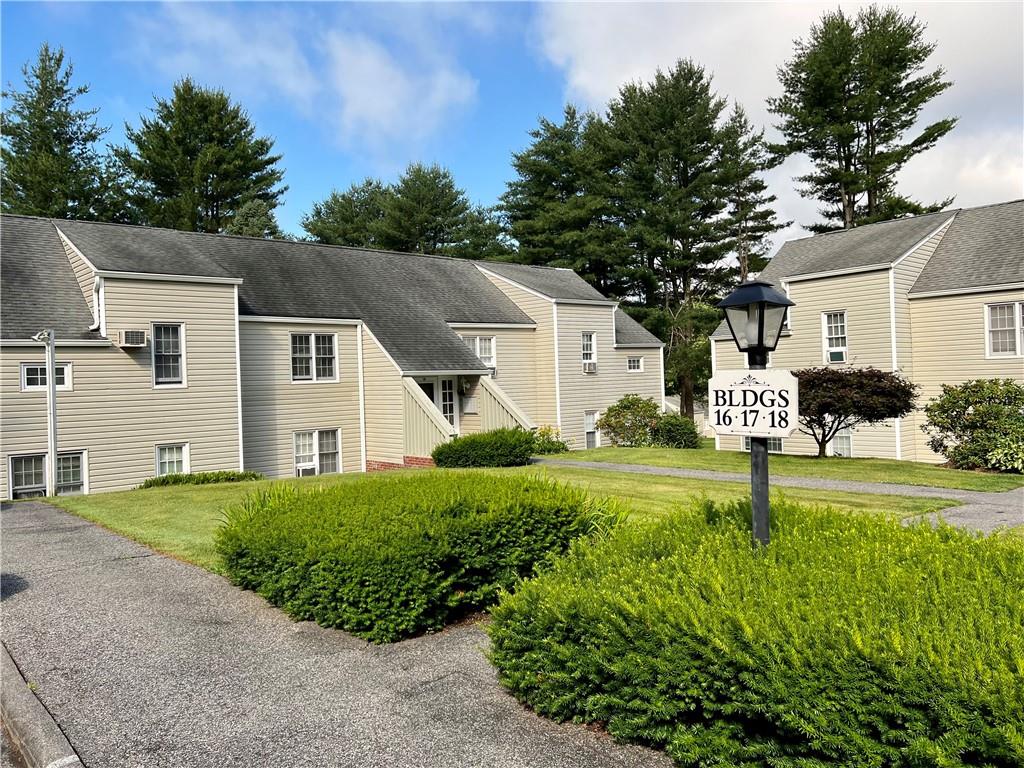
<point>350,90</point>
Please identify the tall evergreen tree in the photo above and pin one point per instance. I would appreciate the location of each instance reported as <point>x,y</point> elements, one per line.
<point>750,219</point>
<point>482,237</point>
<point>851,93</point>
<point>426,213</point>
<point>197,160</point>
<point>48,160</point>
<point>558,207</point>
<point>352,217</point>
<point>255,219</point>
<point>664,143</point>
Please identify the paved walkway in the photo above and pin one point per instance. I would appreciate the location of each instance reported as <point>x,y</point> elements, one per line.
<point>147,661</point>
<point>980,510</point>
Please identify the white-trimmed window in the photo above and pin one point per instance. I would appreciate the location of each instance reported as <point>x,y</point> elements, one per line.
<point>842,443</point>
<point>774,444</point>
<point>483,347</point>
<point>588,351</point>
<point>28,474</point>
<point>168,354</point>
<point>635,364</point>
<point>314,357</point>
<point>33,377</point>
<point>593,437</point>
<point>448,400</point>
<point>317,452</point>
<point>1004,329</point>
<point>172,459</point>
<point>833,330</point>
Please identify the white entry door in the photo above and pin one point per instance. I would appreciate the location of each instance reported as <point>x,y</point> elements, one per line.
<point>442,390</point>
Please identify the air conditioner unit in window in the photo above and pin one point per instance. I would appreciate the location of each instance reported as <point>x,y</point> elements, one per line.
<point>133,338</point>
<point>590,367</point>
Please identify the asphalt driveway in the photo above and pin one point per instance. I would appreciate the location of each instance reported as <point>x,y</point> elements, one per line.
<point>147,661</point>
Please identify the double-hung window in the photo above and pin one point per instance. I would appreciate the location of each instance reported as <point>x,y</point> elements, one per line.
<point>635,364</point>
<point>833,328</point>
<point>317,452</point>
<point>484,348</point>
<point>842,443</point>
<point>172,459</point>
<point>592,438</point>
<point>168,354</point>
<point>588,351</point>
<point>314,357</point>
<point>33,377</point>
<point>774,444</point>
<point>28,475</point>
<point>1004,325</point>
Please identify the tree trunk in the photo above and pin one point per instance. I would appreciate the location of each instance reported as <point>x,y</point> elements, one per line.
<point>685,386</point>
<point>822,444</point>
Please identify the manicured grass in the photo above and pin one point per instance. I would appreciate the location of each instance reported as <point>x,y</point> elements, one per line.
<point>865,470</point>
<point>181,520</point>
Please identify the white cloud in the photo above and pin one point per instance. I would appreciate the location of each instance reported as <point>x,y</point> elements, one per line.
<point>601,46</point>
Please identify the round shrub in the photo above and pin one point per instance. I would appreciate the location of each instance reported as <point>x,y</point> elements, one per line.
<point>389,556</point>
<point>497,448</point>
<point>850,640</point>
<point>631,421</point>
<point>548,439</point>
<point>673,430</point>
<point>967,422</point>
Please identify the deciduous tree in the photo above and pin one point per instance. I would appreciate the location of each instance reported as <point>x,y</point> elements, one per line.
<point>832,399</point>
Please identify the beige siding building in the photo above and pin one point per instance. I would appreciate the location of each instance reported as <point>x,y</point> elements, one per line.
<point>938,298</point>
<point>183,352</point>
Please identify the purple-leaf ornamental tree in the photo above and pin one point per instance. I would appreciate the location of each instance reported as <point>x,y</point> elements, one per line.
<point>832,399</point>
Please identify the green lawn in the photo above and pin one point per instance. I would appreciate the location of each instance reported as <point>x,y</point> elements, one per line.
<point>832,468</point>
<point>180,520</point>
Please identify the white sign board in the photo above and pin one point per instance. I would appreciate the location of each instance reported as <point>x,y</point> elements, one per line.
<point>754,403</point>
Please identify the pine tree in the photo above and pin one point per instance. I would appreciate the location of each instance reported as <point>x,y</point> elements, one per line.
<point>558,208</point>
<point>197,160</point>
<point>750,219</point>
<point>352,217</point>
<point>482,237</point>
<point>426,212</point>
<point>255,219</point>
<point>50,166</point>
<point>664,144</point>
<point>850,94</point>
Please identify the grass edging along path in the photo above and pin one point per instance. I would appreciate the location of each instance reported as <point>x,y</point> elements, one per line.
<point>829,468</point>
<point>180,520</point>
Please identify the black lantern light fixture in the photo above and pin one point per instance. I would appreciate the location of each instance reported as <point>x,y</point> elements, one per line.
<point>755,313</point>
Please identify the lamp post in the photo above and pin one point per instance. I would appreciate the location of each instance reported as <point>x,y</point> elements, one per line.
<point>48,338</point>
<point>755,313</point>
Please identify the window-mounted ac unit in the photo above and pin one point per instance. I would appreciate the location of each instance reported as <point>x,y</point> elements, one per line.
<point>131,339</point>
<point>590,367</point>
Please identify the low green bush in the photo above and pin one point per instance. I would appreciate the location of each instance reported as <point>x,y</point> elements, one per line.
<point>201,478</point>
<point>970,423</point>
<point>849,641</point>
<point>674,430</point>
<point>630,422</point>
<point>497,448</point>
<point>548,439</point>
<point>390,556</point>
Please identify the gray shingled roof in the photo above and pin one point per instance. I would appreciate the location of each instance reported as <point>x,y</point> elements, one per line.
<point>629,333</point>
<point>982,247</point>
<point>38,290</point>
<point>406,300</point>
<point>556,283</point>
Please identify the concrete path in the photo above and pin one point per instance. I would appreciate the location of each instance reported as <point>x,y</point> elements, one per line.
<point>981,511</point>
<point>147,661</point>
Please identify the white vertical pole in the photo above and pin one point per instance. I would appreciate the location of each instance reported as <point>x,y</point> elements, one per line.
<point>51,415</point>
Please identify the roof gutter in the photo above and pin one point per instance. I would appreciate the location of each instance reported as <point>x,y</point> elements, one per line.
<point>967,290</point>
<point>834,273</point>
<point>169,278</point>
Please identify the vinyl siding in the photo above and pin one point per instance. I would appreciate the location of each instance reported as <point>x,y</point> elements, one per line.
<point>516,362</point>
<point>949,348</point>
<point>581,392</point>
<point>83,274</point>
<point>534,372</point>
<point>114,412</point>
<point>274,407</point>
<point>904,275</point>
<point>425,427</point>
<point>865,298</point>
<point>383,394</point>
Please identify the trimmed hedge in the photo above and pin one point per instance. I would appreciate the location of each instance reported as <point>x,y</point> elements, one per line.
<point>200,478</point>
<point>497,448</point>
<point>390,556</point>
<point>849,641</point>
<point>674,430</point>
